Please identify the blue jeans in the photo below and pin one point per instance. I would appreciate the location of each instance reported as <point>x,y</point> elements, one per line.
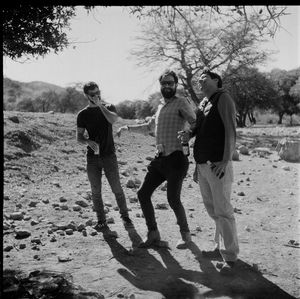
<point>109,164</point>
<point>172,168</point>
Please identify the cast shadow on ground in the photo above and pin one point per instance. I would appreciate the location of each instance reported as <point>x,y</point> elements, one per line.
<point>147,273</point>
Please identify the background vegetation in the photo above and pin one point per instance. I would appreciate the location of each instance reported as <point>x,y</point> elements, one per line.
<point>185,38</point>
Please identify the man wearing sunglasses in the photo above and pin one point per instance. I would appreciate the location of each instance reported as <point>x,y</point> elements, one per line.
<point>215,139</point>
<point>170,163</point>
<point>97,119</point>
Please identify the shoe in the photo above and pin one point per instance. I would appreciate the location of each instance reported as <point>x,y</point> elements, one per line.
<point>213,254</point>
<point>153,238</point>
<point>127,222</point>
<point>103,228</point>
<point>227,268</point>
<point>184,241</point>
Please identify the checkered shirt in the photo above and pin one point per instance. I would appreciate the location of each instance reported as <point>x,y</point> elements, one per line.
<point>173,115</point>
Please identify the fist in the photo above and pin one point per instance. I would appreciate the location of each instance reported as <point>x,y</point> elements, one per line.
<point>124,128</point>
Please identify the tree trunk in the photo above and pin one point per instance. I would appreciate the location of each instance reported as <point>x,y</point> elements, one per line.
<point>280,114</point>
<point>239,120</point>
<point>244,117</point>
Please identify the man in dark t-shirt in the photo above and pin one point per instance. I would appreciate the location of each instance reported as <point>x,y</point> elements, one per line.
<point>97,119</point>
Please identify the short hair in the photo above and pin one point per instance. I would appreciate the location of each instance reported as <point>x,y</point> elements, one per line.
<point>89,86</point>
<point>168,73</point>
<point>213,76</point>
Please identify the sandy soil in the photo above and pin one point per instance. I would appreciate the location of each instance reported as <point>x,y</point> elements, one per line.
<point>48,218</point>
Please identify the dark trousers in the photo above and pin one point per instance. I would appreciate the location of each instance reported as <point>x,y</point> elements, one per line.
<point>173,169</point>
<point>109,164</point>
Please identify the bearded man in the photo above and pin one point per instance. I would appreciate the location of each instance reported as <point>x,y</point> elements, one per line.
<point>170,163</point>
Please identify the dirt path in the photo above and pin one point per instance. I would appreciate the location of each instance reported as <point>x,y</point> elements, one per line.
<point>46,196</point>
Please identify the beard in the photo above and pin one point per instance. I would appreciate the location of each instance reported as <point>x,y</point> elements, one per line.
<point>168,92</point>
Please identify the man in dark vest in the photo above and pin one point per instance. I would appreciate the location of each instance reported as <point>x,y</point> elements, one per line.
<point>213,149</point>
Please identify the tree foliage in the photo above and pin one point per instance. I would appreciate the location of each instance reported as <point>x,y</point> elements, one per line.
<point>188,43</point>
<point>265,18</point>
<point>250,90</point>
<point>35,30</point>
<point>70,101</point>
<point>285,84</point>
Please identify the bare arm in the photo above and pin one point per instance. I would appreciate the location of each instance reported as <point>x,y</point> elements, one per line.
<point>109,115</point>
<point>145,128</point>
<point>83,140</point>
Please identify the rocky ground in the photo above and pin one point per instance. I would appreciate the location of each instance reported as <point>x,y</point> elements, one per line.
<point>50,246</point>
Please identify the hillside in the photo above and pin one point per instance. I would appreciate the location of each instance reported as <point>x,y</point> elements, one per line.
<point>48,220</point>
<point>15,91</point>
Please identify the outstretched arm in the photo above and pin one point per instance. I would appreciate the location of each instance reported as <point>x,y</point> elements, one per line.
<point>145,128</point>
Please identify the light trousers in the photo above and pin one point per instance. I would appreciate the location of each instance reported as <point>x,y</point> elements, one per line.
<point>216,198</point>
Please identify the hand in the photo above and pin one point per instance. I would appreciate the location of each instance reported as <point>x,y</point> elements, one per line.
<point>195,175</point>
<point>93,145</point>
<point>219,168</point>
<point>184,136</point>
<point>124,128</point>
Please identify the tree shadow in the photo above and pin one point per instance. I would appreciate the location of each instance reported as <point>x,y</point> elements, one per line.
<point>146,272</point>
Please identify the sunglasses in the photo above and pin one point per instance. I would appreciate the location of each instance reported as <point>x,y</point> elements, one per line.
<point>94,94</point>
<point>167,83</point>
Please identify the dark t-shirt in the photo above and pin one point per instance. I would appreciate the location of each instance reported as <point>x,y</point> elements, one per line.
<point>98,128</point>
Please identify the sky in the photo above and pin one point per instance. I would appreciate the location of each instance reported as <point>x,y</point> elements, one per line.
<point>103,41</point>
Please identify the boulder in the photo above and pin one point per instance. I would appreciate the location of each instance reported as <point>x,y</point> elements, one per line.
<point>289,149</point>
<point>243,150</point>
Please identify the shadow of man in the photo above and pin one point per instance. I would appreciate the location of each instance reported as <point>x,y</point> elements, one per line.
<point>168,277</point>
<point>147,273</point>
<point>244,281</point>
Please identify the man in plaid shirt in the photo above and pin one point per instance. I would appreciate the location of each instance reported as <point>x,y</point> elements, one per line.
<point>170,164</point>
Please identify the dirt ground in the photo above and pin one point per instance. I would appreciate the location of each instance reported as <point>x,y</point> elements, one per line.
<point>48,218</point>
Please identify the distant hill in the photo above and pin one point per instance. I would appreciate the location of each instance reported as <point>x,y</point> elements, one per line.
<point>15,91</point>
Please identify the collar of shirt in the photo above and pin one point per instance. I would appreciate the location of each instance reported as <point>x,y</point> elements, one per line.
<point>167,101</point>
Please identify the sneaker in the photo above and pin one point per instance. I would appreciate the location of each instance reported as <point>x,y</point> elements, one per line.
<point>227,268</point>
<point>127,222</point>
<point>153,238</point>
<point>212,254</point>
<point>101,226</point>
<point>184,241</point>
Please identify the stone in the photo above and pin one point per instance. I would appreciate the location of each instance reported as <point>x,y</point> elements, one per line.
<point>243,150</point>
<point>76,208</point>
<point>62,199</point>
<point>8,248</point>
<point>14,119</point>
<point>16,216</point>
<point>22,233</point>
<point>133,199</point>
<point>161,206</point>
<point>64,258</point>
<point>82,203</point>
<point>130,184</point>
<point>69,231</point>
<point>33,204</point>
<point>289,149</point>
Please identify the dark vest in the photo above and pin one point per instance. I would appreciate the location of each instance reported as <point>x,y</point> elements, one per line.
<point>210,132</point>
